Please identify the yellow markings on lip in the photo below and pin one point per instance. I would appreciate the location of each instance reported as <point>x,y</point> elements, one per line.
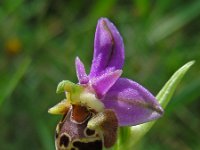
<point>60,108</point>
<point>79,95</point>
<point>90,100</point>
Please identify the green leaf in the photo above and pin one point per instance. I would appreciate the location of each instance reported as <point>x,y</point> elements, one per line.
<point>167,91</point>
<point>164,96</point>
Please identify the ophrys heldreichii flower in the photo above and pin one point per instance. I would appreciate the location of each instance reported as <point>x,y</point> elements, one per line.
<point>102,101</point>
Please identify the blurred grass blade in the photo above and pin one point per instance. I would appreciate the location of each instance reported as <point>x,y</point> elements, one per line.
<point>187,95</point>
<point>164,96</point>
<point>8,87</point>
<point>168,25</point>
<point>44,135</point>
<point>168,90</point>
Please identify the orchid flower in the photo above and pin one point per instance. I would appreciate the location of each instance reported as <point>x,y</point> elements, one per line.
<point>132,103</point>
<point>102,100</point>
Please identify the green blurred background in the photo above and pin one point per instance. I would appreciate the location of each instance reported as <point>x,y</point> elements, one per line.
<point>39,40</point>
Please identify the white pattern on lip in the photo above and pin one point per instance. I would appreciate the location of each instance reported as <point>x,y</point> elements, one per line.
<point>90,100</point>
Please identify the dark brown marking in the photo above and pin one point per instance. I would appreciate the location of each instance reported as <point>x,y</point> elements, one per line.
<point>95,145</point>
<point>90,132</point>
<point>79,113</point>
<point>56,134</point>
<point>112,41</point>
<point>73,149</point>
<point>105,26</point>
<point>64,140</point>
<point>142,104</point>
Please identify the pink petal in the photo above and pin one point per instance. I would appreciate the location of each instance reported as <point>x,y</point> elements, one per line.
<point>80,72</point>
<point>108,49</point>
<point>103,83</point>
<point>132,103</point>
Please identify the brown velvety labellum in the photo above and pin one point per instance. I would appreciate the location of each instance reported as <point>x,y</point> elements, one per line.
<point>71,131</point>
<point>80,113</point>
